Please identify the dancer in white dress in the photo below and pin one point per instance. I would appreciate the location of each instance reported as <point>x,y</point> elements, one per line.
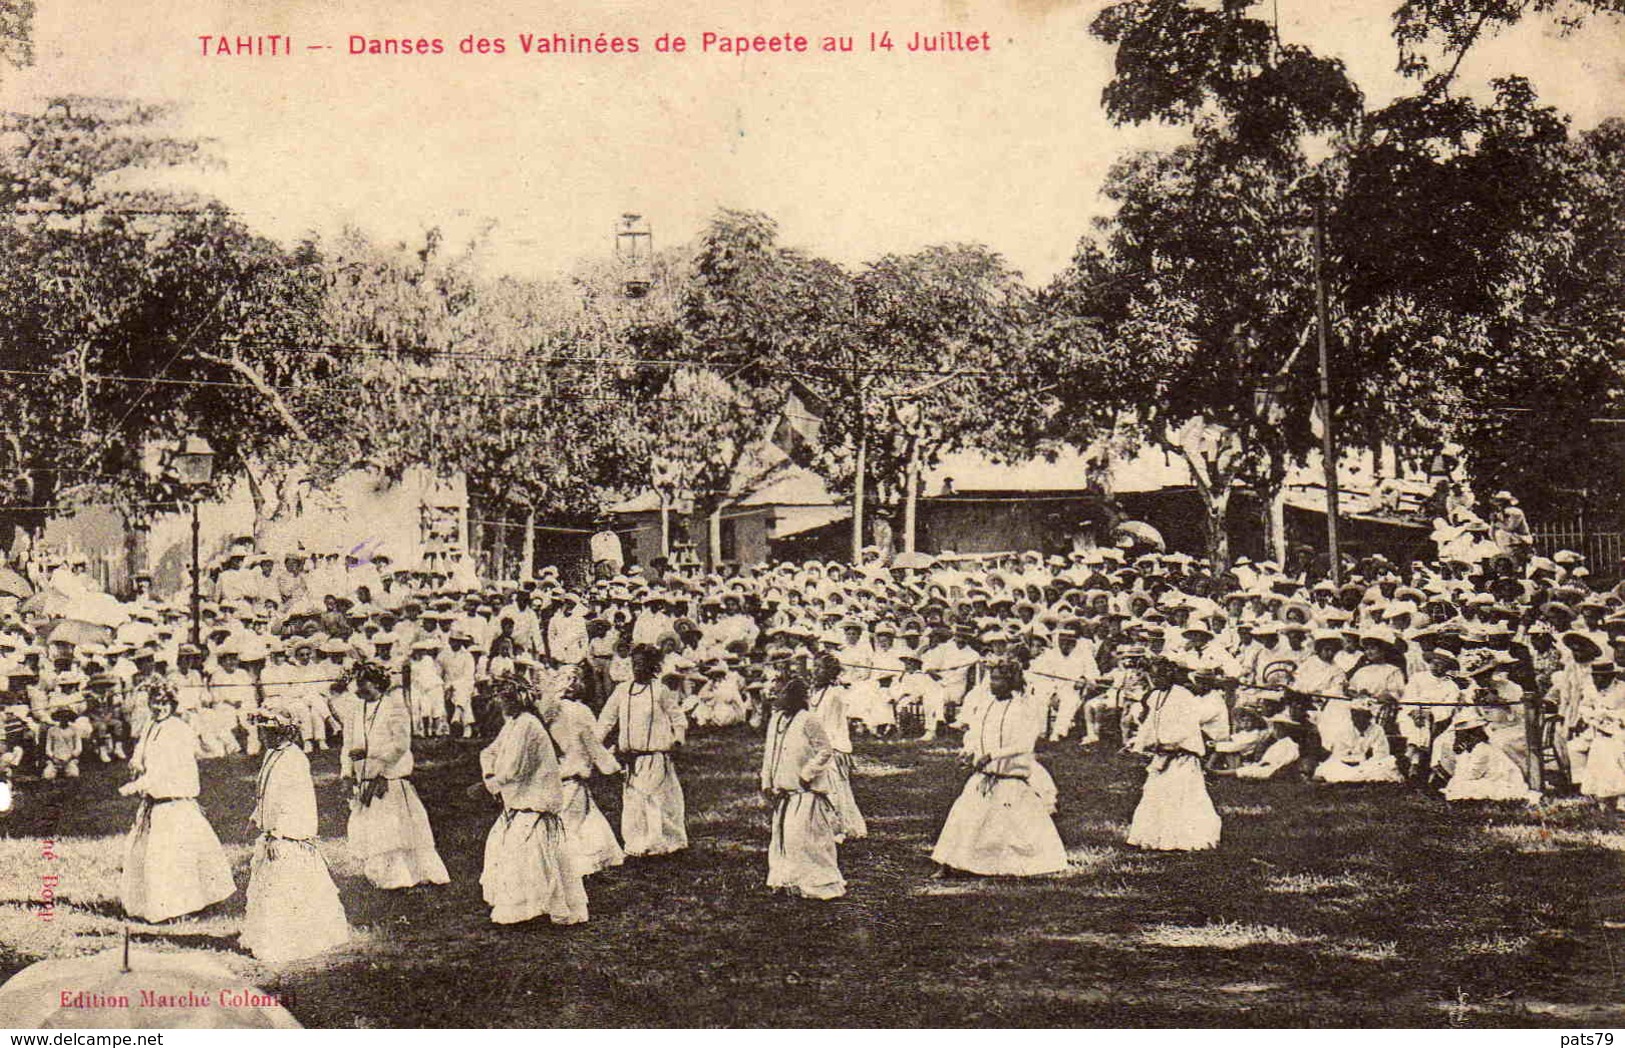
<point>389,831</point>
<point>796,758</point>
<point>575,733</point>
<point>827,702</point>
<point>173,862</point>
<point>644,718</point>
<point>1001,824</point>
<point>294,910</point>
<point>1175,812</point>
<point>529,868</point>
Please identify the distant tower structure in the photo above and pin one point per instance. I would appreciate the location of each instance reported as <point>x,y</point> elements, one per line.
<point>634,249</point>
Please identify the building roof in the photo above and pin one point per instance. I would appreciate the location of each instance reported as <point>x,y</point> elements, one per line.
<point>1071,469</point>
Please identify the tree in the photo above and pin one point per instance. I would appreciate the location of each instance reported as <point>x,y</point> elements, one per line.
<point>528,389</point>
<point>1444,217</point>
<point>936,366</point>
<point>111,285</point>
<point>1201,282</point>
<point>750,309</point>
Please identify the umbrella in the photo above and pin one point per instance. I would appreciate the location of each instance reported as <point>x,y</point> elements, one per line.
<point>1139,533</point>
<point>78,633</point>
<point>919,561</point>
<point>46,604</point>
<point>14,584</point>
<point>99,608</point>
<point>180,990</point>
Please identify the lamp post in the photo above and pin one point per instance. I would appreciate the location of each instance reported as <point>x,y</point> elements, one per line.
<point>192,464</point>
<point>634,249</point>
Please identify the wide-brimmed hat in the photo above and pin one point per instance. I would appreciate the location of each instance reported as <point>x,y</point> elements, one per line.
<point>1586,646</point>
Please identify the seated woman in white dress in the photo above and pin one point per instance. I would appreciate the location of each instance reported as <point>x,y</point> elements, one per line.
<point>719,703</point>
<point>1280,755</point>
<point>1482,771</point>
<point>1604,778</point>
<point>1001,823</point>
<point>293,908</point>
<point>1175,812</point>
<point>1362,753</point>
<point>173,862</point>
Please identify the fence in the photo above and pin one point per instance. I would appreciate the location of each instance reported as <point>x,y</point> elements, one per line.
<point>1601,549</point>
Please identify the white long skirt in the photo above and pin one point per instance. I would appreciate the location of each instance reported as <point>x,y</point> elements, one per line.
<point>592,843</point>
<point>393,840</point>
<point>1380,769</point>
<point>802,853</point>
<point>1175,812</point>
<point>653,821</point>
<point>173,862</point>
<point>294,910</point>
<point>216,731</point>
<point>1000,826</point>
<point>853,825</point>
<point>1604,767</point>
<point>529,871</point>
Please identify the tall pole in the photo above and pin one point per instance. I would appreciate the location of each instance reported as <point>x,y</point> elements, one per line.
<point>665,525</point>
<point>1328,442</point>
<point>857,488</point>
<point>197,604</point>
<point>911,497</point>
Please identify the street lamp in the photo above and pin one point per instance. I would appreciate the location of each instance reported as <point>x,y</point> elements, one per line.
<point>192,464</point>
<point>634,248</point>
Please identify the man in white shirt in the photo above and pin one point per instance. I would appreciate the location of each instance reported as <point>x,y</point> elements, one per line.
<point>567,631</point>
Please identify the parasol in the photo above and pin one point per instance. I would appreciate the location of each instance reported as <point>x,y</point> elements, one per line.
<point>918,561</point>
<point>1139,533</point>
<point>46,604</point>
<point>162,990</point>
<point>79,633</point>
<point>99,608</point>
<point>14,584</point>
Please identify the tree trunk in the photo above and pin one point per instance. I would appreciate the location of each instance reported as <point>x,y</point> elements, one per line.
<point>911,499</point>
<point>256,493</point>
<point>1217,504</point>
<point>527,558</point>
<point>136,531</point>
<point>713,537</point>
<point>1272,508</point>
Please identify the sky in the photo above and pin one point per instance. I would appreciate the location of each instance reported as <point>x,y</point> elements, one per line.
<point>855,155</point>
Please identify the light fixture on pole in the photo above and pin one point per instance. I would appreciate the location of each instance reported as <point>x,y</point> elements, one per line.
<point>192,465</point>
<point>634,249</point>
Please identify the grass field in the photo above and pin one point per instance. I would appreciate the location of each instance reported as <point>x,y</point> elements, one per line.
<point>1351,906</point>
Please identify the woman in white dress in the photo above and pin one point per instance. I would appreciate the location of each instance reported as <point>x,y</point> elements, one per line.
<point>529,869</point>
<point>1482,771</point>
<point>173,862</point>
<point>827,700</point>
<point>1001,824</point>
<point>796,758</point>
<point>294,910</point>
<point>645,719</point>
<point>1604,777</point>
<point>1175,812</point>
<point>575,733</point>
<point>1363,754</point>
<point>389,831</point>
